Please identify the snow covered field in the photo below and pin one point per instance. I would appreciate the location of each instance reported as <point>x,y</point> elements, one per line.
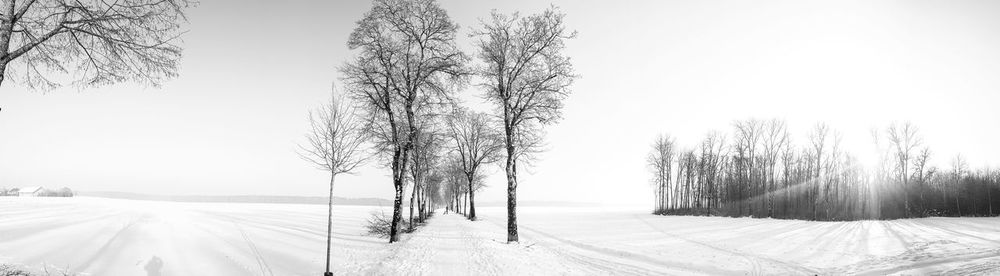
<point>125,237</point>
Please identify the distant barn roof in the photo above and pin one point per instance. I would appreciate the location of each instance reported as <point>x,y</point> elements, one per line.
<point>29,189</point>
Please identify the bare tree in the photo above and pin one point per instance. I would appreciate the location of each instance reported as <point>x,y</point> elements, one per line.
<point>406,58</point>
<point>527,77</point>
<point>660,161</point>
<point>818,141</point>
<point>775,140</point>
<point>334,144</point>
<point>920,163</point>
<point>92,42</point>
<point>712,148</point>
<point>424,158</point>
<point>904,140</point>
<point>748,135</point>
<point>958,169</point>
<point>476,144</point>
<point>434,189</point>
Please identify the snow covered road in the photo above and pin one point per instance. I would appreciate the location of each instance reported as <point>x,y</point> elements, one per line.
<point>126,237</point>
<point>452,245</point>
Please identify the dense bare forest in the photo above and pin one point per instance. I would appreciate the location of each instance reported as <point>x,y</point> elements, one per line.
<point>759,172</point>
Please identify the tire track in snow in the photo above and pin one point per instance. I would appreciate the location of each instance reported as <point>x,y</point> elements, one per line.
<point>264,267</point>
<point>922,251</point>
<point>604,263</point>
<point>952,232</point>
<point>754,260</point>
<point>974,256</point>
<point>107,245</point>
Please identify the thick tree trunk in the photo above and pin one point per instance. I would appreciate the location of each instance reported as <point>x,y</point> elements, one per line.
<point>472,200</point>
<point>399,159</point>
<point>397,211</point>
<point>399,169</point>
<point>511,170</point>
<point>329,224</point>
<point>3,72</point>
<point>420,205</point>
<point>398,172</point>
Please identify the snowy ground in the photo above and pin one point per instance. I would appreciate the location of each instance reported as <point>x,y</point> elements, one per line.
<point>124,237</point>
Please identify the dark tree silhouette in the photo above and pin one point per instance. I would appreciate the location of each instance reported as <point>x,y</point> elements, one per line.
<point>775,141</point>
<point>425,155</point>
<point>527,77</point>
<point>406,58</point>
<point>660,161</point>
<point>904,141</point>
<point>91,43</point>
<point>476,144</point>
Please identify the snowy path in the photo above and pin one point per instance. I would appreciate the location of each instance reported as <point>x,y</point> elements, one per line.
<point>447,246</point>
<point>453,245</point>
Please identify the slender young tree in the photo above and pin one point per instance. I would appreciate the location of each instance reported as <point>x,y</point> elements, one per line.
<point>660,161</point>
<point>712,148</point>
<point>748,135</point>
<point>904,141</point>
<point>958,170</point>
<point>407,58</point>
<point>334,144</point>
<point>920,163</point>
<point>527,78</point>
<point>476,144</point>
<point>775,140</point>
<point>91,43</point>
<point>818,139</point>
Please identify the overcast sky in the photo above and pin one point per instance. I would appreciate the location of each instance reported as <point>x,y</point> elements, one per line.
<point>252,70</point>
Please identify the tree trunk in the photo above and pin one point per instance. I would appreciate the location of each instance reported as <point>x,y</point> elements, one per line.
<point>958,206</point>
<point>989,200</point>
<point>472,199</point>
<point>420,205</point>
<point>413,197</point>
<point>329,223</point>
<point>511,169</point>
<point>3,71</point>
<point>6,29</point>
<point>398,172</point>
<point>397,211</point>
<point>906,187</point>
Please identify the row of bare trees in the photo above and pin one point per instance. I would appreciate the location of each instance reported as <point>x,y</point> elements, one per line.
<point>761,173</point>
<point>446,160</point>
<point>403,77</point>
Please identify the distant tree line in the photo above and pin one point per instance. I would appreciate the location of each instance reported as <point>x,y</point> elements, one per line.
<point>760,172</point>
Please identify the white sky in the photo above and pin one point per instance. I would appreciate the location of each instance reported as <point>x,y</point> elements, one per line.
<point>252,69</point>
